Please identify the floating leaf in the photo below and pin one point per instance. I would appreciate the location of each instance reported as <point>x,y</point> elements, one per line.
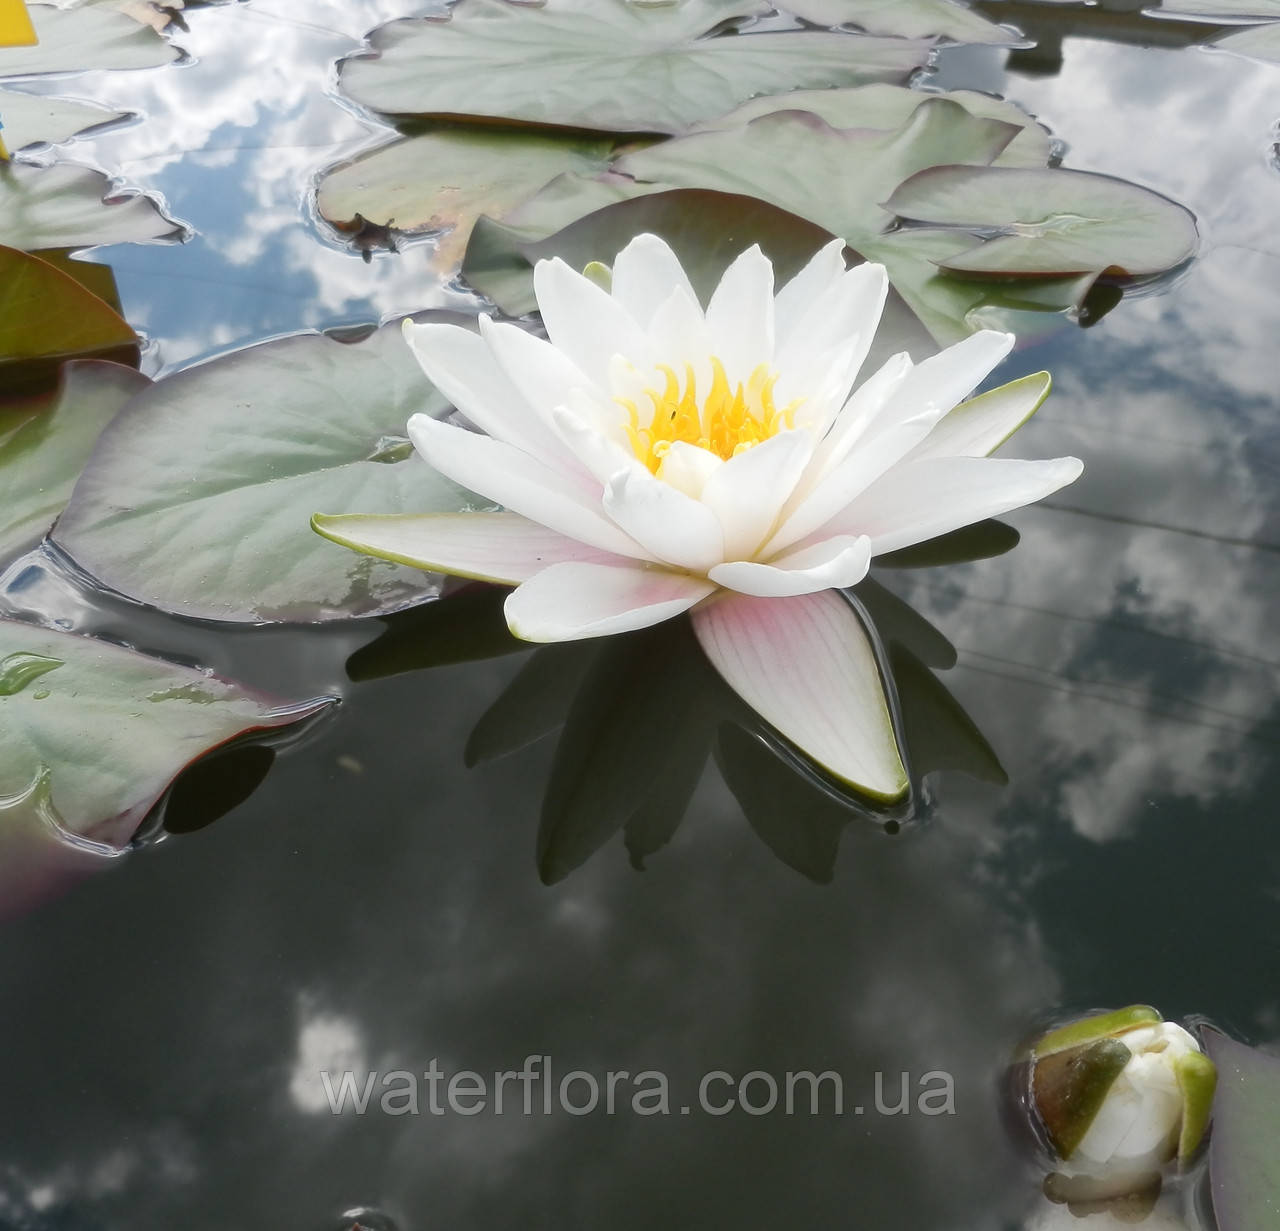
<point>1050,222</point>
<point>73,40</point>
<point>31,119</point>
<point>47,316</point>
<point>906,19</point>
<point>1244,1164</point>
<point>444,181</point>
<point>1225,10</point>
<point>41,458</point>
<point>106,729</point>
<point>609,66</point>
<point>199,496</point>
<point>66,206</point>
<point>1260,42</point>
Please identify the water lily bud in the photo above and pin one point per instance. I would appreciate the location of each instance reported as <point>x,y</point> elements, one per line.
<point>1121,1094</point>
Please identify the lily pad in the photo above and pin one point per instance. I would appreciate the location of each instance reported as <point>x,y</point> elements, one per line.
<point>1050,222</point>
<point>33,119</point>
<point>46,316</point>
<point>1222,10</point>
<point>66,206</point>
<point>1260,42</point>
<point>73,40</point>
<point>609,66</point>
<point>1244,1165</point>
<point>445,180</point>
<point>907,19</point>
<point>199,496</point>
<point>101,731</point>
<point>42,456</point>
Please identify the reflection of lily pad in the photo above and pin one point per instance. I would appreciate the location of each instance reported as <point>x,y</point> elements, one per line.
<point>41,456</point>
<point>66,206</point>
<point>1050,222</point>
<point>30,119</point>
<point>219,528</point>
<point>906,18</point>
<point>443,181</point>
<point>86,37</point>
<point>104,729</point>
<point>1244,1164</point>
<point>46,315</point>
<point>609,66</point>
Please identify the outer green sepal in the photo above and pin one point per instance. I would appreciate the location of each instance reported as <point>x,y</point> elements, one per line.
<point>1197,1079</point>
<point>1091,1029</point>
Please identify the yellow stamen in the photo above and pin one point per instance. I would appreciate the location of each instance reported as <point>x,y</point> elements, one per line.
<point>727,422</point>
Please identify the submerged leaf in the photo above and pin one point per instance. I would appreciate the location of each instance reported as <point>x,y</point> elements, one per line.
<point>73,40</point>
<point>32,119</point>
<point>1050,221</point>
<point>41,458</point>
<point>608,66</point>
<point>66,206</point>
<point>221,531</point>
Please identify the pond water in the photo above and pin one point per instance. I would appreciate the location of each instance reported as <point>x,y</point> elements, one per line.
<point>376,905</point>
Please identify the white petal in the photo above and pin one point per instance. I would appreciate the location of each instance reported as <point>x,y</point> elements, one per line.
<point>748,492</point>
<point>600,454</point>
<point>679,338</point>
<point>585,321</point>
<point>825,267</point>
<point>805,665</point>
<point>858,414</point>
<point>978,427</point>
<point>740,316</point>
<point>520,483</point>
<point>644,274</point>
<point>860,468</point>
<point>948,377</point>
<point>687,467</point>
<point>545,376</point>
<point>460,364</point>
<point>502,547</point>
<point>920,500</point>
<point>844,319</point>
<point>670,525</point>
<point>835,563</point>
<point>569,601</point>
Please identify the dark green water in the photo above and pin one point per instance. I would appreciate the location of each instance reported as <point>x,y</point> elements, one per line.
<point>375,905</point>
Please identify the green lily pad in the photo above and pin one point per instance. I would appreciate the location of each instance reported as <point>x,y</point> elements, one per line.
<point>101,731</point>
<point>1050,221</point>
<point>1225,10</point>
<point>33,119</point>
<point>907,19</point>
<point>1244,1164</point>
<point>443,181</point>
<point>1260,42</point>
<point>73,40</point>
<point>66,206</point>
<point>199,496</point>
<point>608,66</point>
<point>47,316</point>
<point>42,454</point>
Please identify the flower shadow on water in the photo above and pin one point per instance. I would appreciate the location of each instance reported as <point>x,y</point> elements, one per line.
<point>638,716</point>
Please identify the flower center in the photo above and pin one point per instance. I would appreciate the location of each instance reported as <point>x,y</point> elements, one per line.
<point>726,422</point>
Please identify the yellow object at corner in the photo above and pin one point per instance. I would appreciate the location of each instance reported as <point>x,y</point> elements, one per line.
<point>16,29</point>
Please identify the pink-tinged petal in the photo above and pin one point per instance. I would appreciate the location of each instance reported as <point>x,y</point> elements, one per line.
<point>832,564</point>
<point>948,377</point>
<point>585,321</point>
<point>749,491</point>
<point>860,468</point>
<point>858,414</point>
<point>501,547</point>
<point>917,501</point>
<point>460,364</point>
<point>806,666</point>
<point>643,275</point>
<point>978,427</point>
<point>844,319</point>
<point>825,267</point>
<point>669,525</point>
<point>567,602</point>
<point>521,484</point>
<point>740,315</point>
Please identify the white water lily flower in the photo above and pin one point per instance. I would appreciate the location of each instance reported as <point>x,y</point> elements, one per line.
<point>654,458</point>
